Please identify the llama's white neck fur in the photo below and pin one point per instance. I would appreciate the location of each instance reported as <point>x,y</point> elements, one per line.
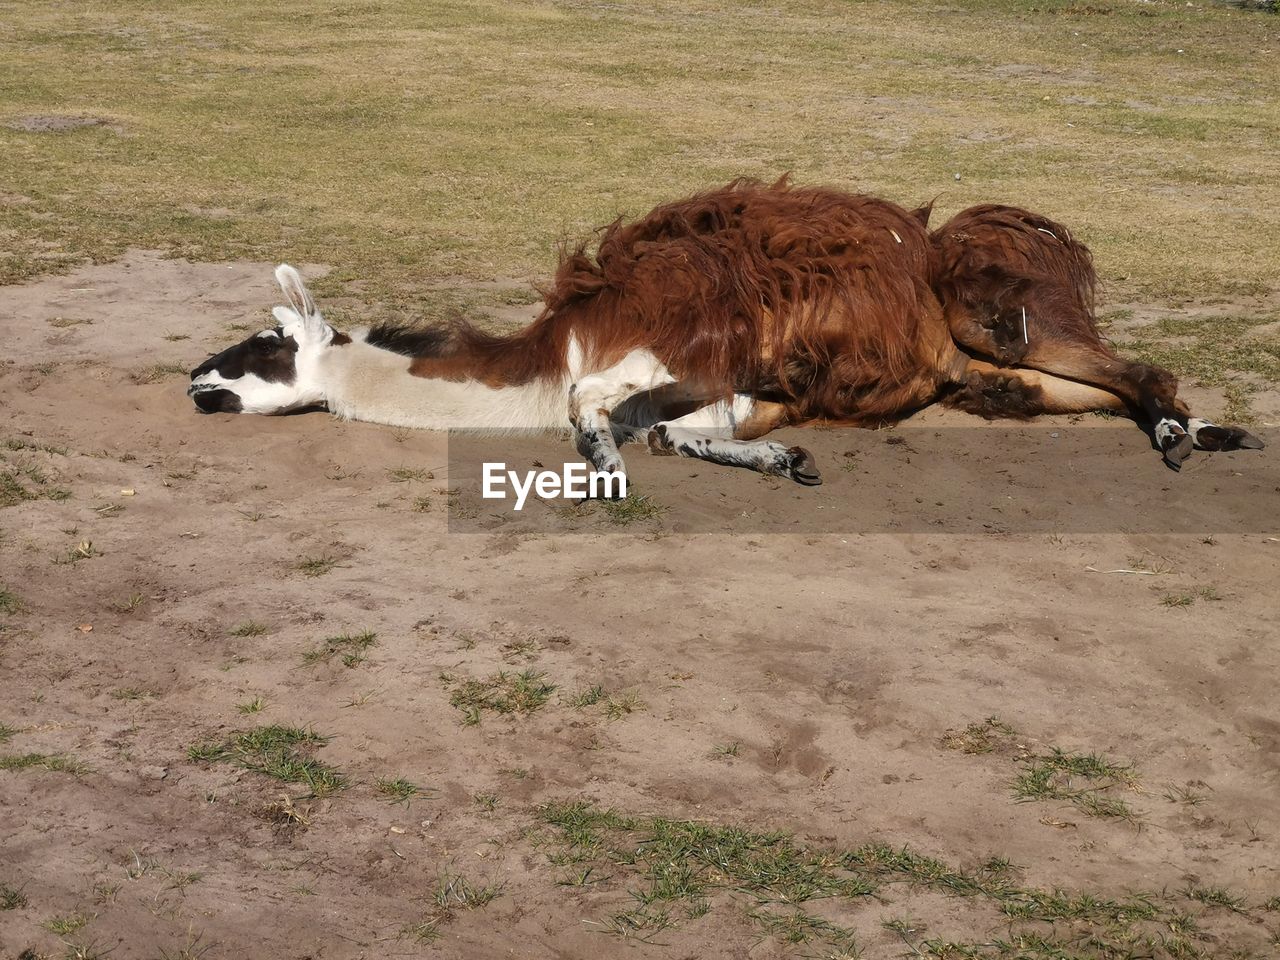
<point>362,382</point>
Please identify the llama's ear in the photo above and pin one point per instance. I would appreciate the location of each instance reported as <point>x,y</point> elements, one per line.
<point>301,306</point>
<point>295,291</point>
<point>285,316</point>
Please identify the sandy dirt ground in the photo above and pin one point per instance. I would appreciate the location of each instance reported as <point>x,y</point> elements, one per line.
<point>801,681</point>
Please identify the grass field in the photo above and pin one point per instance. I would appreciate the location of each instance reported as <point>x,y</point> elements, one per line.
<point>257,700</point>
<point>403,142</point>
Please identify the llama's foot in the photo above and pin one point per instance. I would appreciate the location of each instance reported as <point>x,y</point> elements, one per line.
<point>801,467</point>
<point>765,456</point>
<point>1174,442</point>
<point>1211,436</point>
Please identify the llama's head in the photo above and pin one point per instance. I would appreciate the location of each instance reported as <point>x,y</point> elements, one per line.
<point>275,370</point>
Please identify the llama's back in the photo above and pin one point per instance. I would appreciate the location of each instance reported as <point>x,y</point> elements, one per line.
<point>761,287</point>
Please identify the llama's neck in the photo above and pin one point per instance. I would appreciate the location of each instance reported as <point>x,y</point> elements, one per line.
<point>362,382</point>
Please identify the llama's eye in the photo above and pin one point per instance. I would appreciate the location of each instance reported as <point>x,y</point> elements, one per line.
<point>266,344</point>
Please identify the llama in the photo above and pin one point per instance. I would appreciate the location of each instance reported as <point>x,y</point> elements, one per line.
<point>708,323</point>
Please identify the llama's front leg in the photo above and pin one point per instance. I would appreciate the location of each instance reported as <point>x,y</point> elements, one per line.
<point>593,433</point>
<point>709,434</point>
<point>594,397</point>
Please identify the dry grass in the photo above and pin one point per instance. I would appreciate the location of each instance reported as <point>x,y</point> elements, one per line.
<point>406,142</point>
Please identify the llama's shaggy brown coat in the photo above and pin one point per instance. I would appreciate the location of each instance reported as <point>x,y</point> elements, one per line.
<point>816,298</point>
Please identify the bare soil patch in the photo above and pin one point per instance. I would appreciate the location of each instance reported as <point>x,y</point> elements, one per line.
<point>255,699</point>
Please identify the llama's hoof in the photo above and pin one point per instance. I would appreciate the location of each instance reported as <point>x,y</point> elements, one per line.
<point>660,442</point>
<point>1176,448</point>
<point>1210,436</point>
<point>803,468</point>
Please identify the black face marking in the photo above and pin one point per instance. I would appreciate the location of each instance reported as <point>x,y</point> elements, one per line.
<point>217,401</point>
<point>268,355</point>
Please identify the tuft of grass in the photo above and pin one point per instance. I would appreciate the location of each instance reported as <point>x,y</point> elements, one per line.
<point>1177,600</point>
<point>65,926</point>
<point>587,698</point>
<point>398,790</point>
<point>250,628</point>
<point>1191,794</point>
<point>615,706</point>
<point>286,816</point>
<point>1215,897</point>
<point>55,762</point>
<point>1084,780</point>
<point>979,737</point>
<point>11,898</point>
<point>275,751</point>
<point>409,475</point>
<point>797,927</point>
<point>316,566</point>
<point>422,504</point>
<point>21,483</point>
<point>84,550</point>
<point>7,732</point>
<point>192,949</point>
<point>486,801</point>
<point>9,602</point>
<point>129,603</point>
<point>256,705</point>
<point>502,693</point>
<point>633,508</point>
<point>131,693</point>
<point>453,894</point>
<point>351,647</point>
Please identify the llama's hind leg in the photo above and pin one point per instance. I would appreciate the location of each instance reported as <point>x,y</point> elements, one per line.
<point>1146,390</point>
<point>1211,436</point>
<point>713,434</point>
<point>1019,394</point>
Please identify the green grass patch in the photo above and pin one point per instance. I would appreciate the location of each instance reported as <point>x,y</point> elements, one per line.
<point>7,732</point>
<point>284,753</point>
<point>1090,782</point>
<point>614,706</point>
<point>21,482</point>
<point>316,566</point>
<point>1087,781</point>
<point>669,870</point>
<point>65,926</point>
<point>9,602</point>
<point>349,646</point>
<point>250,628</point>
<point>503,693</point>
<point>633,508</point>
<point>397,790</point>
<point>11,898</point>
<point>453,894</point>
<point>55,762</point>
